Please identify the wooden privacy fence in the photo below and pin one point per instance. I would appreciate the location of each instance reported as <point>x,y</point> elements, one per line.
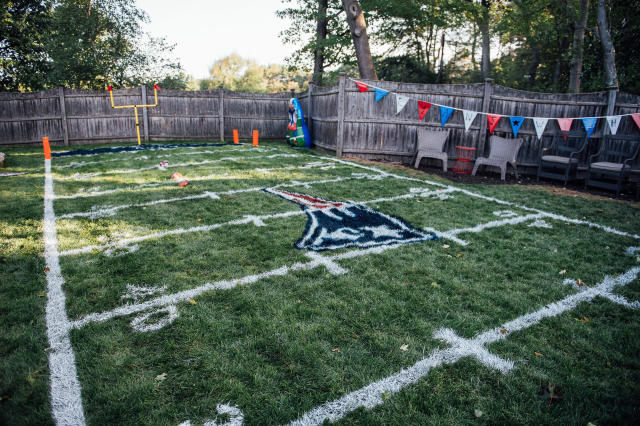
<point>348,122</point>
<point>72,116</point>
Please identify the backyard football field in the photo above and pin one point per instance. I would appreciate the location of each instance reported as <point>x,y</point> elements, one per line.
<point>284,286</point>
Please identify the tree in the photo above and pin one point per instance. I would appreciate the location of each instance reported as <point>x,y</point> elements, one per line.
<point>23,30</point>
<point>321,36</point>
<point>607,47</point>
<point>358,26</point>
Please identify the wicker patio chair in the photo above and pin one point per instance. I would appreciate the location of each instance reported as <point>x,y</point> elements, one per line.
<point>502,151</point>
<point>612,163</point>
<point>560,160</point>
<point>431,145</point>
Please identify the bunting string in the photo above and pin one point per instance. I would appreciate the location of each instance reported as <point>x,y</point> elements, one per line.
<point>539,123</point>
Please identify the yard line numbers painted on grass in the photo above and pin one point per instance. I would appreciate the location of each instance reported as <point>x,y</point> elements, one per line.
<point>154,309</point>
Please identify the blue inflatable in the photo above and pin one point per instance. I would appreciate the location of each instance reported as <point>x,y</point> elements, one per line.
<point>297,131</point>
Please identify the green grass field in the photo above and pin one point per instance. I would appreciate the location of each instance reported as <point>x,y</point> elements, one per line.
<point>125,299</point>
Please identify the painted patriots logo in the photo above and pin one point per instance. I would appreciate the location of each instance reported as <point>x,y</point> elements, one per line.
<point>332,225</point>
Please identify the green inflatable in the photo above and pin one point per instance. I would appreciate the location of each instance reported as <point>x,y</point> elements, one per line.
<point>297,131</point>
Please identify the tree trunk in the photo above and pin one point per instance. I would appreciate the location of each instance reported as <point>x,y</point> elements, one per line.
<point>474,44</point>
<point>321,35</point>
<point>578,48</point>
<point>440,68</point>
<point>608,50</point>
<point>533,65</point>
<point>563,45</point>
<point>358,27</point>
<point>486,39</point>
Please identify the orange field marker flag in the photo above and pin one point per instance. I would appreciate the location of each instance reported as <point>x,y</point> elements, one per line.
<point>236,139</point>
<point>255,138</point>
<point>47,148</point>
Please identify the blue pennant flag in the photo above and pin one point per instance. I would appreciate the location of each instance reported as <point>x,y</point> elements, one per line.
<point>445,113</point>
<point>380,94</point>
<point>589,124</point>
<point>516,123</point>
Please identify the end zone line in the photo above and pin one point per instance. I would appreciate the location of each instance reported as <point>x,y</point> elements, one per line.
<point>242,221</point>
<point>195,163</point>
<point>66,399</point>
<point>372,394</point>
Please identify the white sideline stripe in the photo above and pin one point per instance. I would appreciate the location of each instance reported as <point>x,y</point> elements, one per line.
<point>66,399</point>
<point>109,211</point>
<point>143,151</point>
<point>372,394</point>
<point>256,220</point>
<point>497,223</point>
<point>193,179</point>
<point>196,163</point>
<point>75,164</point>
<point>495,200</point>
<point>185,295</point>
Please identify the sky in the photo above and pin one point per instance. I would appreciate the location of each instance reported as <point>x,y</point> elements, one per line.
<point>206,30</point>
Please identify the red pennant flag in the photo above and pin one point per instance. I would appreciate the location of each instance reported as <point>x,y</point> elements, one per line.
<point>636,118</point>
<point>423,108</point>
<point>155,86</point>
<point>493,122</point>
<point>565,125</point>
<point>109,88</point>
<point>362,87</point>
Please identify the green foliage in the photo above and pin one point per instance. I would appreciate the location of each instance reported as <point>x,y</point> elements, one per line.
<point>84,44</point>
<point>404,68</point>
<point>236,73</point>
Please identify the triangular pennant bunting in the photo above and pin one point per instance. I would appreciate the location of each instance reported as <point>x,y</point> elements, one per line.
<point>469,116</point>
<point>401,102</point>
<point>636,118</point>
<point>423,108</point>
<point>362,87</point>
<point>380,94</point>
<point>516,123</point>
<point>589,124</point>
<point>565,125</point>
<point>445,113</point>
<point>613,121</point>
<point>540,124</point>
<point>493,122</point>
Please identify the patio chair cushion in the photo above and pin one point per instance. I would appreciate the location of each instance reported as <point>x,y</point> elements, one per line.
<point>605,165</point>
<point>558,159</point>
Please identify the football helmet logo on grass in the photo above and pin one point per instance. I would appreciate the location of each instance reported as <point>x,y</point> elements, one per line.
<point>332,225</point>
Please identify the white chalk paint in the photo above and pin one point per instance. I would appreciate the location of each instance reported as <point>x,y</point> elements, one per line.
<point>505,214</point>
<point>631,251</point>
<point>66,398</point>
<point>141,323</point>
<point>116,251</point>
<point>372,394</point>
<point>236,418</point>
<point>78,176</point>
<point>137,293</point>
<point>540,224</point>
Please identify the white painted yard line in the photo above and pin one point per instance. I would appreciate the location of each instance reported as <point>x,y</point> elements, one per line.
<point>256,220</point>
<point>372,394</point>
<point>158,167</point>
<point>161,148</point>
<point>169,182</point>
<point>76,164</point>
<point>493,199</point>
<point>111,210</point>
<point>66,399</point>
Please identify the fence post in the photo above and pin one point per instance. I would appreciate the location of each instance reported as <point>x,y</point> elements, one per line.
<point>63,115</point>
<point>145,115</point>
<point>486,101</point>
<point>310,110</point>
<point>221,112</point>
<point>340,133</point>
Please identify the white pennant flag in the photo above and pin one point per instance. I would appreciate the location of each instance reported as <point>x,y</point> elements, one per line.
<point>469,116</point>
<point>540,124</point>
<point>614,122</point>
<point>401,101</point>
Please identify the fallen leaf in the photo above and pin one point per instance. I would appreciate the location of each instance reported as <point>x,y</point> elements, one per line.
<point>46,269</point>
<point>435,284</point>
<point>459,255</point>
<point>564,271</point>
<point>227,307</point>
<point>582,320</point>
<point>183,183</point>
<point>161,377</point>
<point>551,393</point>
<point>446,246</point>
<point>193,302</point>
<point>477,413</point>
<point>199,219</point>
<point>591,424</point>
<point>335,350</point>
<point>580,283</point>
<point>538,354</point>
<point>41,294</point>
<point>503,331</point>
<point>403,348</point>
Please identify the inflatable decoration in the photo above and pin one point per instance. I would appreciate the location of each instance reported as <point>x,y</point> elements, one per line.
<point>297,131</point>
